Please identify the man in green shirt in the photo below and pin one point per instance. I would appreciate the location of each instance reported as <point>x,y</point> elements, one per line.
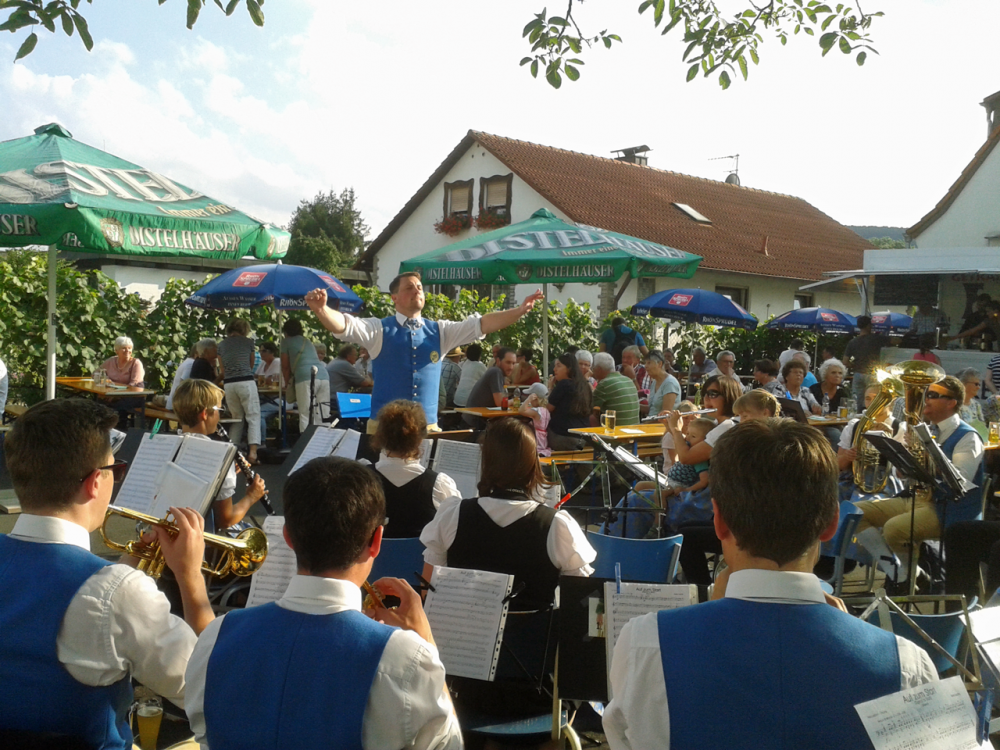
<point>614,392</point>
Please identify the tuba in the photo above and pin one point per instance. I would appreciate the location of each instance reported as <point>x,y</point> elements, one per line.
<point>908,380</point>
<point>241,556</point>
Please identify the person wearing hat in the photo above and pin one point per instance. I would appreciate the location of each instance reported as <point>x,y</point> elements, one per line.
<point>533,406</point>
<point>451,373</point>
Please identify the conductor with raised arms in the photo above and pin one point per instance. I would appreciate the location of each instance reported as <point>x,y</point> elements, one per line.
<point>406,350</point>
<point>73,627</point>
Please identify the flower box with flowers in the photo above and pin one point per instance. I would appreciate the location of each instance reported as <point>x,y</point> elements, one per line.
<point>453,224</point>
<point>492,219</point>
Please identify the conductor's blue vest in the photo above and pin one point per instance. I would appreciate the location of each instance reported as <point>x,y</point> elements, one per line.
<point>970,506</point>
<point>310,684</point>
<point>37,583</point>
<point>742,674</point>
<point>408,367</point>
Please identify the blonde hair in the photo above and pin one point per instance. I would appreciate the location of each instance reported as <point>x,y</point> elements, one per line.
<point>193,397</point>
<point>684,406</point>
<point>706,425</point>
<point>758,400</point>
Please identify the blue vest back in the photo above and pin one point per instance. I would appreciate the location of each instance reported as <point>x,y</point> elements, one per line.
<point>311,683</point>
<point>789,681</point>
<point>37,584</point>
<point>408,367</point>
<point>970,506</point>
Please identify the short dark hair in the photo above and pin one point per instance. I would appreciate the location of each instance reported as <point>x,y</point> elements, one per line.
<point>793,364</point>
<point>54,445</point>
<point>270,346</point>
<point>796,344</point>
<point>616,322</point>
<point>332,508</point>
<point>766,366</point>
<point>526,352</point>
<point>775,484</point>
<point>864,321</point>
<point>474,352</point>
<point>572,349</point>
<point>503,351</point>
<point>510,458</point>
<point>346,350</point>
<point>402,426</point>
<point>292,327</point>
<point>394,284</point>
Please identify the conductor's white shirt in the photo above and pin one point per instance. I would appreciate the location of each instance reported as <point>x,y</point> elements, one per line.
<point>407,706</point>
<point>399,471</point>
<point>118,623</point>
<point>638,717</point>
<point>367,332</point>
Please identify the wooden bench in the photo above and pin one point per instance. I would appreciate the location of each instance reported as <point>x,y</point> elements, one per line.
<point>13,411</point>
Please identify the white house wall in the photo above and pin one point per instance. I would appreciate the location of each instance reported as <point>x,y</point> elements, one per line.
<point>973,215</point>
<point>149,283</point>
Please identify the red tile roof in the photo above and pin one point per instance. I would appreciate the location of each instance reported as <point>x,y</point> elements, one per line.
<point>963,179</point>
<point>752,231</point>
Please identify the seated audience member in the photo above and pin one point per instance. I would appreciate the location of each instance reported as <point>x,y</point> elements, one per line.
<point>268,373</point>
<point>826,354</point>
<point>533,408</point>
<point>847,454</point>
<point>343,376</point>
<point>451,375</point>
<point>809,380</point>
<point>831,385</point>
<point>756,404</point>
<point>570,397</point>
<point>412,493</point>
<point>726,366</point>
<point>795,347</point>
<point>700,365</point>
<point>123,368</point>
<point>765,372</point>
<point>364,363</point>
<point>74,629</point>
<point>507,529</point>
<point>963,446</point>
<point>182,373</point>
<point>197,404</point>
<point>631,367</point>
<point>774,484</point>
<point>794,373</point>
<point>664,390</point>
<point>489,390</point>
<point>971,410</point>
<point>614,392</point>
<point>203,367</point>
<point>524,372</point>
<point>472,371</point>
<point>391,692</point>
<point>586,361</point>
<point>320,351</point>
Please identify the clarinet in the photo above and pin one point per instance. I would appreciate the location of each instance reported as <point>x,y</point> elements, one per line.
<point>245,469</point>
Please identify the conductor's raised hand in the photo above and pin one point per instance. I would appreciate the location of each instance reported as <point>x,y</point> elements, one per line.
<point>185,550</point>
<point>529,302</point>
<point>409,615</point>
<point>316,299</point>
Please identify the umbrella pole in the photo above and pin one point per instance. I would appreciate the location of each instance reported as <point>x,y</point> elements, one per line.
<point>50,356</point>
<point>282,416</point>
<point>545,330</point>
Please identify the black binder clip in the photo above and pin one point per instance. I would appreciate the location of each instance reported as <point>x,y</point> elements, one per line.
<point>517,590</point>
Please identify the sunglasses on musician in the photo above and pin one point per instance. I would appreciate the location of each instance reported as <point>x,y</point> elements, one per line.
<point>713,394</point>
<point>931,395</point>
<point>118,470</point>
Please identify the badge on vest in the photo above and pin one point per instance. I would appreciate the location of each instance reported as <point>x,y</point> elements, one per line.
<point>434,358</point>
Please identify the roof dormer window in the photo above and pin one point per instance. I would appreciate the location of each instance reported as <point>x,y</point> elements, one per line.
<point>692,213</point>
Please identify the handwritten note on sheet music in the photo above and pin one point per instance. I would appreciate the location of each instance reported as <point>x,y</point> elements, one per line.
<point>348,447</point>
<point>460,461</point>
<point>140,483</point>
<point>467,613</point>
<point>270,582</point>
<point>320,444</point>
<point>935,716</point>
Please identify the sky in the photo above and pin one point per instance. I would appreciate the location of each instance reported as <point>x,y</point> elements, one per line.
<point>332,94</point>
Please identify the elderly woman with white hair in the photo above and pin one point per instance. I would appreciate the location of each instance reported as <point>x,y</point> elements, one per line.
<point>971,410</point>
<point>586,361</point>
<point>830,392</point>
<point>123,368</point>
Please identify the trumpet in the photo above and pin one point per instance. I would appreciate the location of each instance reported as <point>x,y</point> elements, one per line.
<point>241,556</point>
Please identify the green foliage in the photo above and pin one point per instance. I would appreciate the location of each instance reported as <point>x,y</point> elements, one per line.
<point>887,243</point>
<point>24,14</point>
<point>715,44</point>
<point>327,232</point>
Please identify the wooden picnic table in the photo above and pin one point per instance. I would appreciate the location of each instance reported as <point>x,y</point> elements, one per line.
<point>625,432</point>
<point>486,412</point>
<point>86,385</point>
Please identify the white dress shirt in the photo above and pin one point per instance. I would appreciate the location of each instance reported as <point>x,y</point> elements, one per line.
<point>407,706</point>
<point>567,547</point>
<point>638,717</point>
<point>367,332</point>
<point>968,454</point>
<point>399,471</point>
<point>118,623</point>
<point>182,374</point>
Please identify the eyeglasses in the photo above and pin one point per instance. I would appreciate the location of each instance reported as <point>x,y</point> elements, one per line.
<point>931,396</point>
<point>713,394</point>
<point>118,470</point>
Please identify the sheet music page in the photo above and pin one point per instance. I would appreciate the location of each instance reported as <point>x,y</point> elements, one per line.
<point>270,582</point>
<point>935,716</point>
<point>179,488</point>
<point>467,613</point>
<point>426,448</point>
<point>638,599</point>
<point>206,459</point>
<point>140,485</point>
<point>460,461</point>
<point>320,444</point>
<point>348,447</point>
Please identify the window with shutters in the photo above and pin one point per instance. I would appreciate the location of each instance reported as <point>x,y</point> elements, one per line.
<point>494,201</point>
<point>458,198</point>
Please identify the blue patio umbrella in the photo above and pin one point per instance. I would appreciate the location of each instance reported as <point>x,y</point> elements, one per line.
<point>818,319</point>
<point>696,306</point>
<point>892,323</point>
<point>276,284</point>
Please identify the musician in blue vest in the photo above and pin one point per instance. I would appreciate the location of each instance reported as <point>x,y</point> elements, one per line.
<point>329,676</point>
<point>74,628</point>
<point>769,663</point>
<point>960,443</point>
<point>406,350</point>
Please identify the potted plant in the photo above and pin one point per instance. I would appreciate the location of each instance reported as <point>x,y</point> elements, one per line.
<point>488,219</point>
<point>453,224</point>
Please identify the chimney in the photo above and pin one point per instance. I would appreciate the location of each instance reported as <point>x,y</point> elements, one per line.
<point>633,155</point>
<point>992,105</point>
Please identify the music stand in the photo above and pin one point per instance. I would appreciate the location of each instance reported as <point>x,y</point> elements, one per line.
<point>792,407</point>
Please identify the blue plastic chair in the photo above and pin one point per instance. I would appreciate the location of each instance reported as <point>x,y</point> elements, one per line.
<point>644,560</point>
<point>399,558</point>
<point>947,629</point>
<point>837,547</point>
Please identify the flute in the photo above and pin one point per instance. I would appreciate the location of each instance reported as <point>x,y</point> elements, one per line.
<point>658,417</point>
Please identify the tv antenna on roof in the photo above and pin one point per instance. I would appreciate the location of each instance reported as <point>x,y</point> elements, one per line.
<point>734,174</point>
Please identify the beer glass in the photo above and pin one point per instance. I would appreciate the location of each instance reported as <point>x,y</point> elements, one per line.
<point>149,714</point>
<point>842,412</point>
<point>608,420</point>
<point>994,433</point>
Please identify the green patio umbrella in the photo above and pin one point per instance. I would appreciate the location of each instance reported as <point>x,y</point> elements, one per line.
<point>547,249</point>
<point>58,192</point>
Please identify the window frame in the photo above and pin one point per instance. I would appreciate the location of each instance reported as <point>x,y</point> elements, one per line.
<point>810,297</point>
<point>448,188</point>
<point>741,298</point>
<point>497,178</point>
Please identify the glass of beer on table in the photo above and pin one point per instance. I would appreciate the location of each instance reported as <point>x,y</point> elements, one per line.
<point>994,433</point>
<point>149,714</point>
<point>609,419</point>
